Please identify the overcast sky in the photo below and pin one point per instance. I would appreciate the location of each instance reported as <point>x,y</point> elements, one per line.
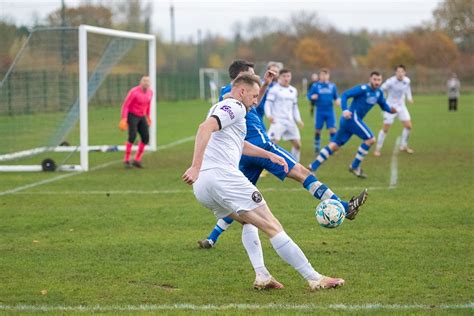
<point>218,16</point>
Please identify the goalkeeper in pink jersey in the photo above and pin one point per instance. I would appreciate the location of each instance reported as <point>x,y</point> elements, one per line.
<point>136,118</point>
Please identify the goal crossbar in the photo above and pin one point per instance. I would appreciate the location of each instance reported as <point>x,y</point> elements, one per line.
<point>83,105</point>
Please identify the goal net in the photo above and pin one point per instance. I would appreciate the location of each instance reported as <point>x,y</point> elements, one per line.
<point>210,82</point>
<point>60,101</point>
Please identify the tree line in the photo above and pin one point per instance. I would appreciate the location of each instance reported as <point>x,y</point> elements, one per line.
<point>303,42</point>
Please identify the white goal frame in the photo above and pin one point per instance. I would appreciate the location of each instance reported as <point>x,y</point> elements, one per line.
<point>214,75</point>
<point>84,147</point>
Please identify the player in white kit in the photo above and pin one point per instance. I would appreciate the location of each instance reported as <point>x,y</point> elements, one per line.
<point>281,109</point>
<point>219,185</point>
<point>398,89</point>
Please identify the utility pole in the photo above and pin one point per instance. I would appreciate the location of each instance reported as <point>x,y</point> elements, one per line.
<point>64,56</point>
<point>63,35</point>
<point>63,14</point>
<point>199,49</point>
<point>173,43</point>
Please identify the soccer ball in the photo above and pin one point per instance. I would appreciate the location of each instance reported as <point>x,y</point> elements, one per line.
<point>330,213</point>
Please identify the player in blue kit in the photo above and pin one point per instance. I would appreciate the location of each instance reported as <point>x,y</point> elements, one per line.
<point>322,94</point>
<point>364,97</point>
<point>252,167</point>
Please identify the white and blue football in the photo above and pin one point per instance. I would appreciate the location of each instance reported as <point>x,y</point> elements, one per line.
<point>330,213</point>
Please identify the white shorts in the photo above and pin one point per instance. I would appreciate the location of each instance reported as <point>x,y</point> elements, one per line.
<point>402,113</point>
<point>226,191</point>
<point>284,130</point>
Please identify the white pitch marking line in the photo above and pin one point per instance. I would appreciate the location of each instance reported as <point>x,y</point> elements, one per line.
<point>151,307</point>
<point>98,192</point>
<point>394,165</point>
<point>35,184</point>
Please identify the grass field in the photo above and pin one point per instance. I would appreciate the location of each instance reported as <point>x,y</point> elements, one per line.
<point>114,240</point>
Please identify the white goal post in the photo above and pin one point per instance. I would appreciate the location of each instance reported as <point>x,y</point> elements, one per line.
<point>213,75</point>
<point>81,112</point>
<point>83,96</point>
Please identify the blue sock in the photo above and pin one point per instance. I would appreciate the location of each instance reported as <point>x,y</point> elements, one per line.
<point>361,153</point>
<point>321,191</point>
<point>331,136</point>
<point>221,226</point>
<point>317,142</point>
<point>322,157</point>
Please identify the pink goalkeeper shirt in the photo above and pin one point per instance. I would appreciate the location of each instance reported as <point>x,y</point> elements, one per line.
<point>137,102</point>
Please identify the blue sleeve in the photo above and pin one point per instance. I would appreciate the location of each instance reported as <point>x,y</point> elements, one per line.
<point>260,108</point>
<point>334,91</point>
<point>224,90</point>
<point>383,104</point>
<point>311,92</point>
<point>351,93</point>
<point>221,95</point>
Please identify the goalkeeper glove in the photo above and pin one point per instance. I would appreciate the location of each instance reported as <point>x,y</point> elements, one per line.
<point>123,125</point>
<point>148,120</point>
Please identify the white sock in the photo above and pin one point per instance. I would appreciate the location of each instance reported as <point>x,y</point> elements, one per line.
<point>296,153</point>
<point>405,135</point>
<point>222,224</point>
<point>292,254</point>
<point>380,140</point>
<point>254,250</point>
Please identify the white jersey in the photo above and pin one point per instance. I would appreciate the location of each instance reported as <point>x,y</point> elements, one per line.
<point>225,146</point>
<point>397,91</point>
<point>282,104</point>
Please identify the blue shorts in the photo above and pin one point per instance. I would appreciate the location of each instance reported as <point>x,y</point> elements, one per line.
<point>328,116</point>
<point>252,167</point>
<point>347,128</point>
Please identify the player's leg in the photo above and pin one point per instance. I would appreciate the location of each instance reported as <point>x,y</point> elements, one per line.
<point>388,119</point>
<point>286,248</point>
<point>404,139</point>
<point>232,191</point>
<point>253,247</point>
<point>316,188</point>
<point>363,131</point>
<point>132,121</point>
<point>405,118</point>
<point>331,124</point>
<point>143,130</point>
<point>455,104</point>
<point>296,148</point>
<point>251,167</point>
<point>318,125</point>
<point>275,132</point>
<point>341,137</point>
<point>292,134</point>
<point>324,155</point>
<point>317,140</point>
<point>220,227</point>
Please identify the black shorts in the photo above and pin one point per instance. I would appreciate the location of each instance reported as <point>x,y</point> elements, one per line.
<point>138,124</point>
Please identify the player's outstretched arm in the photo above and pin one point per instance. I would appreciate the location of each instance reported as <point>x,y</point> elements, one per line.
<point>384,105</point>
<point>254,151</point>
<point>267,79</point>
<point>203,135</point>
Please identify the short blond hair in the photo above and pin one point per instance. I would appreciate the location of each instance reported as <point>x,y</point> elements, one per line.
<point>246,79</point>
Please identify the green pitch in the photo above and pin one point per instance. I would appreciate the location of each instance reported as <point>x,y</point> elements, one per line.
<point>113,238</point>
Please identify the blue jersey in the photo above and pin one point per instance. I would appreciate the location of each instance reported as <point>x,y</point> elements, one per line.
<point>256,131</point>
<point>363,99</point>
<point>225,90</point>
<point>327,93</point>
